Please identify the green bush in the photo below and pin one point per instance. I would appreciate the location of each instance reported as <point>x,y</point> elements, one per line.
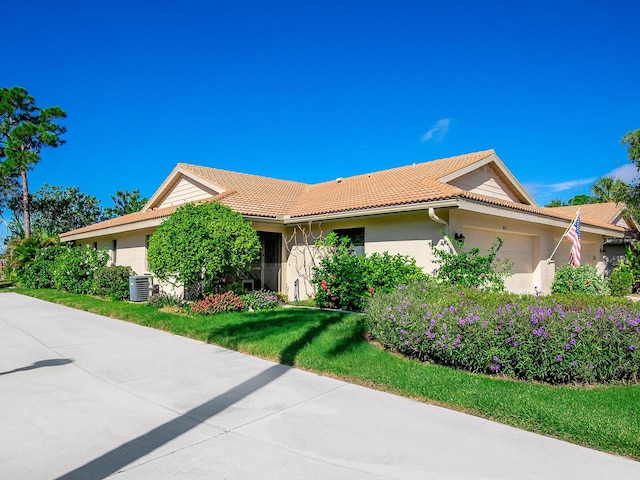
<point>345,280</point>
<point>469,269</point>
<point>39,272</point>
<point>112,282</point>
<point>218,303</point>
<point>261,300</point>
<point>582,279</point>
<point>207,242</point>
<point>621,283</point>
<point>555,339</point>
<point>163,300</point>
<point>73,269</point>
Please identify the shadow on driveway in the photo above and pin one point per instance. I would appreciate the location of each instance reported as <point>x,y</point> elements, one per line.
<point>131,451</point>
<point>53,362</point>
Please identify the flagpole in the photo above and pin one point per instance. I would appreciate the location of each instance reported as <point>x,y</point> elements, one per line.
<point>562,237</point>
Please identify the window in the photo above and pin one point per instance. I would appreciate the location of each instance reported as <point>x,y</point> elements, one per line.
<point>355,236</point>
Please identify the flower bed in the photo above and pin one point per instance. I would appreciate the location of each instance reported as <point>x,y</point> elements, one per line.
<point>550,339</point>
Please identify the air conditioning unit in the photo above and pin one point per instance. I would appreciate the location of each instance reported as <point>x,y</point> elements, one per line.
<point>139,286</point>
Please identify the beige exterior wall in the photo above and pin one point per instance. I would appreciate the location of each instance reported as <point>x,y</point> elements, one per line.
<point>186,190</point>
<point>131,249</point>
<point>531,272</point>
<point>528,245</point>
<point>485,181</point>
<point>409,234</point>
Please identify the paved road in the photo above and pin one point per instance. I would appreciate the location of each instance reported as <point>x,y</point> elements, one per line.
<point>86,397</point>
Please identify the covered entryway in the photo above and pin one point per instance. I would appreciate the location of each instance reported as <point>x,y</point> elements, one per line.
<point>266,272</point>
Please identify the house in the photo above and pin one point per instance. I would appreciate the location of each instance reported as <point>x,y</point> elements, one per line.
<point>400,210</point>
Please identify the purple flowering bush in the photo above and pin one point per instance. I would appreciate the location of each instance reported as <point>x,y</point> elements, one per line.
<point>261,300</point>
<point>555,339</point>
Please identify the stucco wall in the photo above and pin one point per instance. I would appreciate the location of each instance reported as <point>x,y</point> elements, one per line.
<point>543,238</point>
<point>130,249</point>
<point>407,234</point>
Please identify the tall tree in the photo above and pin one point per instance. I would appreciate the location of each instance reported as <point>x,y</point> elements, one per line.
<point>609,189</point>
<point>125,202</point>
<point>56,210</point>
<point>631,140</point>
<point>25,129</point>
<point>580,199</point>
<point>556,202</point>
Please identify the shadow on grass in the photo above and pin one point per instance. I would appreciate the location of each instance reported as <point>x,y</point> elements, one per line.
<point>290,331</point>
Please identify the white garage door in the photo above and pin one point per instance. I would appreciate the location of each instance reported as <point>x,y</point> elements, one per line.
<point>517,248</point>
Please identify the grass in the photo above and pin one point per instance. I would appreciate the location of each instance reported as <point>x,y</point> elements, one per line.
<point>605,418</point>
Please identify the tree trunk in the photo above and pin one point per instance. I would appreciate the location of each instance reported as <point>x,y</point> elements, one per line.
<point>25,204</point>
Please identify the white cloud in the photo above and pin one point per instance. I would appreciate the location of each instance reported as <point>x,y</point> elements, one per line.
<point>568,185</point>
<point>627,173</point>
<point>437,131</point>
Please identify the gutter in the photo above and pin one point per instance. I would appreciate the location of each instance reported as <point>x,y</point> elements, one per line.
<point>288,220</point>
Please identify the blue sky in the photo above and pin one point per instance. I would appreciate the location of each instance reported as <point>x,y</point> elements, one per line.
<point>311,91</point>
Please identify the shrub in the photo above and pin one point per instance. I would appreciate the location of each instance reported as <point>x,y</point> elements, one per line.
<point>345,280</point>
<point>20,252</point>
<point>39,272</point>
<point>163,300</point>
<point>73,269</point>
<point>261,300</point>
<point>582,279</point>
<point>207,242</point>
<point>469,269</point>
<point>112,282</point>
<point>521,336</point>
<point>218,303</point>
<point>621,283</point>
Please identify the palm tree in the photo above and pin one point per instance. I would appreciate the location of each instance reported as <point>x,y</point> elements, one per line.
<point>609,189</point>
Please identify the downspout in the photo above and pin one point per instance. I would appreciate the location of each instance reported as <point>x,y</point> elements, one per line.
<point>437,219</point>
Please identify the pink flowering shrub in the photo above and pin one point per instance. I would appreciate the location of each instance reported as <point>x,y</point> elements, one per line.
<point>218,303</point>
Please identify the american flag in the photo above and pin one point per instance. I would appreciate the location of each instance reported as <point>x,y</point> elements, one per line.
<point>573,234</point>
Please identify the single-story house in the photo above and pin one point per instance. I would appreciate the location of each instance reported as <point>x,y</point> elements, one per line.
<point>400,210</point>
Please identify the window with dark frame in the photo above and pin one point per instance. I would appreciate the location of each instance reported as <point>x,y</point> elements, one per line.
<point>355,236</point>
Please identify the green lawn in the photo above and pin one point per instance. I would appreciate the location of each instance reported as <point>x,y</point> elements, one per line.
<point>332,343</point>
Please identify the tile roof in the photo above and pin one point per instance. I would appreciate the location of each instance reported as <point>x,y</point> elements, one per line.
<point>397,186</point>
<point>259,196</point>
<point>601,212</point>
<point>254,195</point>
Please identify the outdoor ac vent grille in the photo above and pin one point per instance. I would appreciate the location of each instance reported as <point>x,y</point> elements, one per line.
<point>139,288</point>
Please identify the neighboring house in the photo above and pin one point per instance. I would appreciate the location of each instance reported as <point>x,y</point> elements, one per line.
<point>613,249</point>
<point>401,210</point>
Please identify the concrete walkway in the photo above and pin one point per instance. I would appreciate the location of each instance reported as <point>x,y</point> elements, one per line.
<point>85,397</point>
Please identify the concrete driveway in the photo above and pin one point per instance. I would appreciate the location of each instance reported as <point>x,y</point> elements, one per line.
<point>86,397</point>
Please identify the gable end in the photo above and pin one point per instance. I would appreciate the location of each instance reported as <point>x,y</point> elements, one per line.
<point>485,180</point>
<point>186,190</point>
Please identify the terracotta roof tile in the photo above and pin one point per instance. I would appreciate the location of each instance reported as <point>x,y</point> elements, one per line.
<point>602,212</point>
<point>396,186</point>
<point>272,198</point>
<point>254,195</point>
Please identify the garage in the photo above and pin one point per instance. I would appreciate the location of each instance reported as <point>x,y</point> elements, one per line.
<point>519,249</point>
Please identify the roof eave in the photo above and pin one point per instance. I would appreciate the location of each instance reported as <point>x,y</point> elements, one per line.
<point>362,212</point>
